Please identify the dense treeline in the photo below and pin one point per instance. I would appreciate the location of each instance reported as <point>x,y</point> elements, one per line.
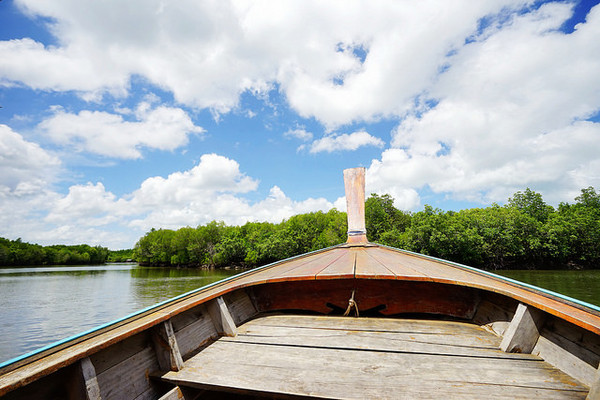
<point>255,243</point>
<point>524,233</point>
<point>16,252</point>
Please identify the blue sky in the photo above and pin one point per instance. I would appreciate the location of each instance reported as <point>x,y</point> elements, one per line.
<point>119,117</point>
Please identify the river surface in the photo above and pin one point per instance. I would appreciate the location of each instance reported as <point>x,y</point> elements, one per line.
<point>41,305</point>
<point>581,285</point>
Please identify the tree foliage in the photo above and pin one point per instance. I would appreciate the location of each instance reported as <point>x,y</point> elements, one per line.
<point>524,233</point>
<point>19,253</point>
<point>255,243</point>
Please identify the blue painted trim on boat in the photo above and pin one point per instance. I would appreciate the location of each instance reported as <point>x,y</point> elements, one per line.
<point>149,308</point>
<point>504,278</point>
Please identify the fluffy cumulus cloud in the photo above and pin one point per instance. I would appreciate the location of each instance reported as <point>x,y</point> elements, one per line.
<point>345,141</point>
<point>25,167</point>
<point>153,127</point>
<point>211,190</point>
<point>378,57</point>
<point>512,111</point>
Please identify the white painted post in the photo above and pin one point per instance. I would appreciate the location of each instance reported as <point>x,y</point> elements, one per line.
<point>354,183</point>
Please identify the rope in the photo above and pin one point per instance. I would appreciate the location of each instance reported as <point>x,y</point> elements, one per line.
<point>351,304</point>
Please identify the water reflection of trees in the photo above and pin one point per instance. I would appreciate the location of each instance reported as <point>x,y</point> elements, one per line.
<point>582,285</point>
<point>153,284</point>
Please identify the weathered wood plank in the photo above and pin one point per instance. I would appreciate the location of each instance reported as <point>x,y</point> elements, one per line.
<point>594,393</point>
<point>120,351</point>
<point>523,331</point>
<point>493,317</point>
<point>166,347</point>
<point>391,325</point>
<point>582,338</point>
<point>87,380</point>
<point>364,374</point>
<point>196,334</point>
<point>173,394</point>
<point>473,346</point>
<point>240,306</point>
<point>129,378</point>
<point>221,317</point>
<point>440,271</point>
<point>561,358</point>
<point>180,321</point>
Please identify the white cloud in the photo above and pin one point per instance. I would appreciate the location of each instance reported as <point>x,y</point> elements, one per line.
<point>345,142</point>
<point>160,127</point>
<point>277,206</point>
<point>511,114</point>
<point>24,166</point>
<point>299,133</point>
<point>208,53</point>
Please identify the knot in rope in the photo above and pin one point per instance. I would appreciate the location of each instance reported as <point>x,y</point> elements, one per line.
<point>351,304</point>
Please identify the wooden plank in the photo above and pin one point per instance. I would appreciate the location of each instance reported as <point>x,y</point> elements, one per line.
<point>166,347</point>
<point>548,348</point>
<point>390,325</point>
<point>91,390</point>
<point>368,267</point>
<point>120,351</point>
<point>304,371</point>
<point>221,317</point>
<point>493,317</point>
<point>285,271</point>
<point>341,268</point>
<point>576,335</point>
<point>523,331</point>
<point>311,268</point>
<point>394,263</point>
<point>180,321</point>
<point>443,272</point>
<point>240,306</point>
<point>196,334</point>
<point>173,394</point>
<point>474,346</point>
<point>130,378</point>
<point>594,393</point>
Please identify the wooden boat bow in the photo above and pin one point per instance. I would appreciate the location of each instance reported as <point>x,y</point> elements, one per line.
<point>415,310</point>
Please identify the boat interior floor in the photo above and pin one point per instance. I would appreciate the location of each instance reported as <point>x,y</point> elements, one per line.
<point>299,356</point>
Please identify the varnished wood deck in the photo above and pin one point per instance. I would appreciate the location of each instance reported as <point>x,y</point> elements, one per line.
<point>357,358</point>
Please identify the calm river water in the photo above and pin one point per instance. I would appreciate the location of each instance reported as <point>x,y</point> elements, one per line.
<point>41,305</point>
